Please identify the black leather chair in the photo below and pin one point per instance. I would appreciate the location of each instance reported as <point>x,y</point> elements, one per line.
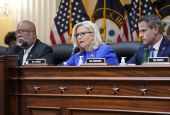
<point>62,52</point>
<point>126,49</point>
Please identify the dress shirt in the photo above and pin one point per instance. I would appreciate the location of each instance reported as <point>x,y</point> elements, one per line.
<point>156,47</point>
<point>26,52</point>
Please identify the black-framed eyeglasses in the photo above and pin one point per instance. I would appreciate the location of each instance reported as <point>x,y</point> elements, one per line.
<point>82,34</point>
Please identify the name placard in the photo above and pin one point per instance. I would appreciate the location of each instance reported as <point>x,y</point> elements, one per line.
<point>158,59</point>
<point>95,60</point>
<point>36,62</point>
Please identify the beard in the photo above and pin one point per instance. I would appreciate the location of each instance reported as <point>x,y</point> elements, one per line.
<point>25,42</point>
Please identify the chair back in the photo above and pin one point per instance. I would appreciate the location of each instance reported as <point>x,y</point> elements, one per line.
<point>61,52</point>
<point>126,49</point>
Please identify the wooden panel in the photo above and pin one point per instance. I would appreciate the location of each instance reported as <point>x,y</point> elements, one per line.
<point>104,90</point>
<point>5,64</point>
<point>43,110</point>
<point>102,71</point>
<point>97,102</point>
<point>94,86</point>
<point>2,76</point>
<point>88,111</point>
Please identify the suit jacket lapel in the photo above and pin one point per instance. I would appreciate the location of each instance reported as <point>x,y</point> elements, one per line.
<point>31,53</point>
<point>162,48</point>
<point>21,54</point>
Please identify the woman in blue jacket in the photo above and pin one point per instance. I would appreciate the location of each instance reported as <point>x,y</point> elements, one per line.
<point>87,38</point>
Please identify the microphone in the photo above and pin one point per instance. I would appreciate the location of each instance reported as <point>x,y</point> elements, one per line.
<point>76,50</point>
<point>24,45</point>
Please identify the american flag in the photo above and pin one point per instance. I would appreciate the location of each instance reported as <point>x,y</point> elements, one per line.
<point>138,8</point>
<point>124,33</point>
<point>61,27</point>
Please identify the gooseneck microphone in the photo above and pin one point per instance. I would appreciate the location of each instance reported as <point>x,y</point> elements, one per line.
<point>24,45</point>
<point>76,50</point>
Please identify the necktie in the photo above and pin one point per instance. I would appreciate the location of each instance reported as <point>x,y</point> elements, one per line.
<point>24,57</point>
<point>146,55</point>
<point>151,52</point>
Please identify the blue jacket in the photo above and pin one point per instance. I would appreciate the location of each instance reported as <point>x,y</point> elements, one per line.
<point>104,51</point>
<point>164,51</point>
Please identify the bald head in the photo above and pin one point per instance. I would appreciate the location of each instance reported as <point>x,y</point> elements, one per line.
<point>26,32</point>
<point>26,25</point>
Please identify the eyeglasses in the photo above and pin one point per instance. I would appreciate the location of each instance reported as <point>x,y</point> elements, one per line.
<point>19,32</point>
<point>23,31</point>
<point>82,34</point>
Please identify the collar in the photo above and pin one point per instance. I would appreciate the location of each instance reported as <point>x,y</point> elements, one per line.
<point>157,45</point>
<point>29,49</point>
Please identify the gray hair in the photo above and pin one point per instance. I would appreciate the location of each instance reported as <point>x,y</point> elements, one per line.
<point>97,40</point>
<point>153,21</point>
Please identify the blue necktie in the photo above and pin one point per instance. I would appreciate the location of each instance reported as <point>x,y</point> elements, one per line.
<point>151,52</point>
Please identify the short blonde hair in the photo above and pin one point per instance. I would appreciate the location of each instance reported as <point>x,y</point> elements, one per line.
<point>93,28</point>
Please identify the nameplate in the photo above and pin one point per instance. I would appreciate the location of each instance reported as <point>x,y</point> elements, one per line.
<point>158,59</point>
<point>36,61</point>
<point>95,60</point>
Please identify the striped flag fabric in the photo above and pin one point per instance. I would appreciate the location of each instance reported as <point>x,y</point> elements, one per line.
<point>138,8</point>
<point>69,13</point>
<point>124,33</point>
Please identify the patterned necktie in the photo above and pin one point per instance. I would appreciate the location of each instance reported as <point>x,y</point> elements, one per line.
<point>146,55</point>
<point>24,57</point>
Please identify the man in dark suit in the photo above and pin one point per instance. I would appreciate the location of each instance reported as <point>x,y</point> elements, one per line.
<point>28,46</point>
<point>155,44</point>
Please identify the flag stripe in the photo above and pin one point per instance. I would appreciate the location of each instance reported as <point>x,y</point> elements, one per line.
<point>137,10</point>
<point>124,34</point>
<point>76,13</point>
<point>52,38</point>
<point>125,28</point>
<point>62,38</point>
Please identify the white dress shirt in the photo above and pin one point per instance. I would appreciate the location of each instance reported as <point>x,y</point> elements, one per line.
<point>156,47</point>
<point>26,52</point>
